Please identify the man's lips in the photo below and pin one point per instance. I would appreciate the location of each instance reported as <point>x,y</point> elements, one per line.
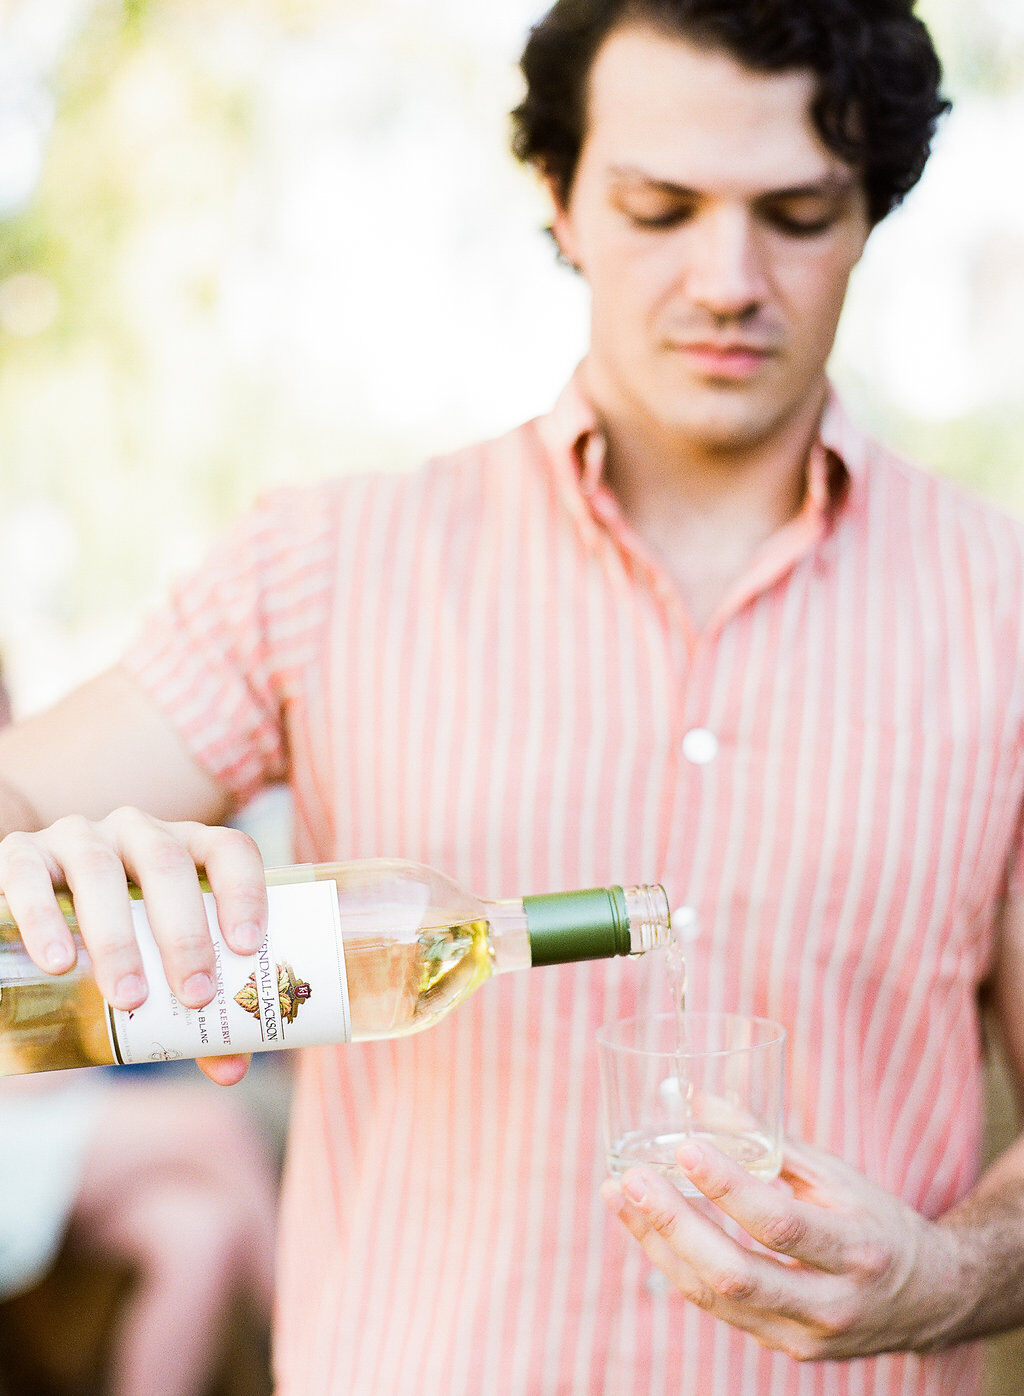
<point>735,360</point>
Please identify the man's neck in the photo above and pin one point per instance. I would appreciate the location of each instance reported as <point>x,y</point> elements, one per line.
<point>703,512</point>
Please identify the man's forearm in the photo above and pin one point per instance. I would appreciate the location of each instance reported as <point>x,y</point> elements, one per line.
<point>16,812</point>
<point>989,1226</point>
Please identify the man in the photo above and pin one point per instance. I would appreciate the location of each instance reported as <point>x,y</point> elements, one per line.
<point>692,627</point>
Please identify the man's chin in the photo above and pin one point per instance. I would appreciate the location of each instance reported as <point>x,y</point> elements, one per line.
<point>720,416</point>
<point>729,417</point>
<point>725,428</point>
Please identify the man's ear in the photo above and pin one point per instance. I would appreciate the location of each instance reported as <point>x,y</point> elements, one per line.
<point>561,224</point>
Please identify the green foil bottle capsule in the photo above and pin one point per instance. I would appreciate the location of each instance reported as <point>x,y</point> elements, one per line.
<point>596,924</point>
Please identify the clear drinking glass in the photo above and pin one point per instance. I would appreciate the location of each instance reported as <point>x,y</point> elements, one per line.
<point>721,1082</point>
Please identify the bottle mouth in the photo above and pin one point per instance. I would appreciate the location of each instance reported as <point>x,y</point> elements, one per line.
<point>650,920</point>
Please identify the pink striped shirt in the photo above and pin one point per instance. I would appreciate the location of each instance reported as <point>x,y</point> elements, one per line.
<point>480,667</point>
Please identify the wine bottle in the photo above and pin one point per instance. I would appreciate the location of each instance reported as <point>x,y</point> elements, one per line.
<point>354,951</point>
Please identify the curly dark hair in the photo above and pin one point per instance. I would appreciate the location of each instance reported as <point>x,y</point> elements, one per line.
<point>878,102</point>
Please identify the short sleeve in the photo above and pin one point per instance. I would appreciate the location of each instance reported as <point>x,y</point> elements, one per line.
<point>236,640</point>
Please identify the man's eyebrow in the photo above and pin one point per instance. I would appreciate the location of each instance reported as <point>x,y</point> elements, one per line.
<point>832,185</point>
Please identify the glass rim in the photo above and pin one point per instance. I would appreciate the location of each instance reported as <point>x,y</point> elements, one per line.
<point>776,1037</point>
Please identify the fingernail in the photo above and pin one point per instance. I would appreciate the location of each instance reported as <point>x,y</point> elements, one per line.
<point>198,989</point>
<point>248,937</point>
<point>130,991</point>
<point>635,1190</point>
<point>58,958</point>
<point>688,1156</point>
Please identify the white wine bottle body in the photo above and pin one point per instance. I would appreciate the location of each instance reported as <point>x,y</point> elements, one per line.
<point>354,951</point>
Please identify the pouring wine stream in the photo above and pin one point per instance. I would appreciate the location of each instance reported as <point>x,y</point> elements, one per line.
<point>684,928</point>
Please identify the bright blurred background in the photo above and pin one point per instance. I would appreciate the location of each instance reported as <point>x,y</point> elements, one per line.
<point>252,241</point>
<point>248,241</point>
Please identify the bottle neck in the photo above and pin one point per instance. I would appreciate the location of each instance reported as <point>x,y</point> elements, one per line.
<point>565,927</point>
<point>510,936</point>
<point>650,921</point>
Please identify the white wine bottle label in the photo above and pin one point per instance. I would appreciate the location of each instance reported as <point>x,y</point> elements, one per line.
<point>292,993</point>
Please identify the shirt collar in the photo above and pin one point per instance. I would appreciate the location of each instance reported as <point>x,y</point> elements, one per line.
<point>576,447</point>
<point>842,439</point>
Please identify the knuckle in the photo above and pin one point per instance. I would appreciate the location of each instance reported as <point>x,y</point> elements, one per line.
<point>805,1347</point>
<point>714,1187</point>
<point>733,1282</point>
<point>212,838</point>
<point>111,962</point>
<point>837,1322</point>
<point>238,840</point>
<point>72,828</point>
<point>19,855</point>
<point>830,1317</point>
<point>784,1233</point>
<point>234,859</point>
<point>188,945</point>
<point>662,1219</point>
<point>702,1295</point>
<point>873,1261</point>
<point>16,842</point>
<point>96,862</point>
<point>128,819</point>
<point>37,915</point>
<point>166,858</point>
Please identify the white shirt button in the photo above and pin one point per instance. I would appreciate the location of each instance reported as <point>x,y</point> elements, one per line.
<point>700,746</point>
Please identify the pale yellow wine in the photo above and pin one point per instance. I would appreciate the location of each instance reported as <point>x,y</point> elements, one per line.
<point>52,1023</point>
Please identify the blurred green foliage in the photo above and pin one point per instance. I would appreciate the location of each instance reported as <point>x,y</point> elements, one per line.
<point>982,44</point>
<point>982,48</point>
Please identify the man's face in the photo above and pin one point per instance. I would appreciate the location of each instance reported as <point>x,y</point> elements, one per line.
<point>717,234</point>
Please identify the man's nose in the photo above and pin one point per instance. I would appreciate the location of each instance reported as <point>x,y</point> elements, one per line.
<point>726,274</point>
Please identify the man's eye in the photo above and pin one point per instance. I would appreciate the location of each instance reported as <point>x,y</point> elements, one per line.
<point>668,218</point>
<point>800,227</point>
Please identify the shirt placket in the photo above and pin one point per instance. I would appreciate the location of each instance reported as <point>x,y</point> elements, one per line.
<point>694,759</point>
<point>701,712</point>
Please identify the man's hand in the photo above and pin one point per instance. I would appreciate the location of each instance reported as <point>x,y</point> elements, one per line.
<point>840,1269</point>
<point>94,860</point>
